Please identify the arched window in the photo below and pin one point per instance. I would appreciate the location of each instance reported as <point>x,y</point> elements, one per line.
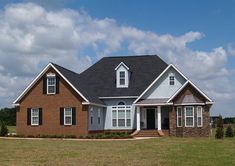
<point>121,103</point>
<point>121,115</point>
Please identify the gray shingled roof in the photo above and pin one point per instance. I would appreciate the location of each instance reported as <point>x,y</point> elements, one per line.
<point>100,79</point>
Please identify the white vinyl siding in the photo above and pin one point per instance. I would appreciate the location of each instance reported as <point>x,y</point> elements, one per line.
<point>51,84</point>
<point>179,116</point>
<point>199,116</point>
<point>189,116</point>
<point>35,116</point>
<point>67,116</point>
<point>121,116</point>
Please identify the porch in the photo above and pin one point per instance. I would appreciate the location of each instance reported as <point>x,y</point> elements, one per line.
<point>152,117</point>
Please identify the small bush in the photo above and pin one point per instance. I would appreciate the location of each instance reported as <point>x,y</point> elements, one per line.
<point>4,129</point>
<point>70,136</point>
<point>81,137</point>
<point>220,129</point>
<point>229,132</point>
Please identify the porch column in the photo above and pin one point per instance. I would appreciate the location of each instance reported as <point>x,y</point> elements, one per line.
<point>138,118</point>
<point>159,121</point>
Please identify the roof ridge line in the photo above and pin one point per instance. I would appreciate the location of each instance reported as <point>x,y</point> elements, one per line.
<point>64,68</point>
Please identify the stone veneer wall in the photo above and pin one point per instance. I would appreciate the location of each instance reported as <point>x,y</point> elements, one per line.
<point>195,131</point>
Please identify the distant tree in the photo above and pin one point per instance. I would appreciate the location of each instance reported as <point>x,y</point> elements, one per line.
<point>3,129</point>
<point>220,129</point>
<point>230,120</point>
<point>8,116</point>
<point>229,131</point>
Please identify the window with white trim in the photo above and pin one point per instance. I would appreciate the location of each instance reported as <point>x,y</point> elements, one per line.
<point>98,115</point>
<point>68,116</point>
<point>121,116</point>
<point>51,84</point>
<point>35,116</point>
<point>189,116</point>
<point>122,78</point>
<point>199,116</point>
<point>179,116</point>
<point>172,79</point>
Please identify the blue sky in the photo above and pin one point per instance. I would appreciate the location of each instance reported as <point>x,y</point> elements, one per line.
<point>197,36</point>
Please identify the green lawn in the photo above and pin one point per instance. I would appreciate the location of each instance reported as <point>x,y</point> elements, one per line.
<point>157,151</point>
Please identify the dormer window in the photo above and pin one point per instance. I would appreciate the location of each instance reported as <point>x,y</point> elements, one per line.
<point>122,76</point>
<point>51,84</point>
<point>172,79</point>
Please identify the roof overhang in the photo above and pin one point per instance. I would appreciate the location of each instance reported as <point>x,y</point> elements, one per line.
<point>119,97</point>
<point>122,64</point>
<point>179,90</point>
<point>153,104</point>
<point>94,104</point>
<point>194,86</point>
<point>39,76</point>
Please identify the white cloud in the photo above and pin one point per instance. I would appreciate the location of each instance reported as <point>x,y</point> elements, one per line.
<point>231,49</point>
<point>31,36</point>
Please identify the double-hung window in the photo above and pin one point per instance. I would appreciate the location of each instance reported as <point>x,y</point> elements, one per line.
<point>51,84</point>
<point>199,116</point>
<point>179,116</point>
<point>68,116</point>
<point>122,78</point>
<point>189,116</point>
<point>121,116</point>
<point>172,80</point>
<point>35,116</point>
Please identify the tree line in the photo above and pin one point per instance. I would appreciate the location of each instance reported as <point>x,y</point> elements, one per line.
<point>8,116</point>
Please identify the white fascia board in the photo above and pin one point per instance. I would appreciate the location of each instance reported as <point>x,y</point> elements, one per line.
<point>208,102</point>
<point>187,81</point>
<point>191,83</point>
<point>69,83</point>
<point>39,76</point>
<point>200,91</point>
<point>158,104</point>
<point>178,91</point>
<point>32,83</point>
<point>153,83</point>
<point>119,97</point>
<point>123,64</point>
<point>94,104</point>
<point>189,104</point>
<point>179,72</point>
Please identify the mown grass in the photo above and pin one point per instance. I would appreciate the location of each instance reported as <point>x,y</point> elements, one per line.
<point>157,151</point>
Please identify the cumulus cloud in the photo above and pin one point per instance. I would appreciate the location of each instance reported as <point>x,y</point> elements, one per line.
<point>31,36</point>
<point>231,49</point>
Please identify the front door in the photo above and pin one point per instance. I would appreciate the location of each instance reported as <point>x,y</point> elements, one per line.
<point>150,118</point>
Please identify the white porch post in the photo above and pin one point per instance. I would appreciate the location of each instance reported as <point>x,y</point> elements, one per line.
<point>138,118</point>
<point>159,121</point>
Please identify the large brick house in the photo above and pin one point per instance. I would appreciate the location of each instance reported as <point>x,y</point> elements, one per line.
<point>139,94</point>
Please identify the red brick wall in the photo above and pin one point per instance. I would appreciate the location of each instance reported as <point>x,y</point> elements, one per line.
<point>50,105</point>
